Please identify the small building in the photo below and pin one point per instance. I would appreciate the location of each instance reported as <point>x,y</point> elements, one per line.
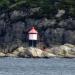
<point>33,37</point>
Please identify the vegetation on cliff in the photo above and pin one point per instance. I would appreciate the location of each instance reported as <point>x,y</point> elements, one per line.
<point>47,7</point>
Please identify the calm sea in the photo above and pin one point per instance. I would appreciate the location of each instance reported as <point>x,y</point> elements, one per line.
<point>30,66</point>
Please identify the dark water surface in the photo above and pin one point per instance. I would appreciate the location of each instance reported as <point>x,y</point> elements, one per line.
<point>30,66</point>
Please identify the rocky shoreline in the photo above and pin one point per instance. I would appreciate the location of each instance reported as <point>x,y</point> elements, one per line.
<point>65,51</point>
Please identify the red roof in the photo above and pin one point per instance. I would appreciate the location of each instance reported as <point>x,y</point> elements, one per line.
<point>33,30</point>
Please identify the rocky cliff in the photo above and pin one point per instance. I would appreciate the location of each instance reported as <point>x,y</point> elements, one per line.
<point>55,29</point>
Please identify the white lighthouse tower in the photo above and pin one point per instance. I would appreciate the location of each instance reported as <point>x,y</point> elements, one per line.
<point>33,36</point>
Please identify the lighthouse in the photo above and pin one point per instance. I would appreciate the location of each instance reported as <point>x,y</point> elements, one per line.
<point>33,37</point>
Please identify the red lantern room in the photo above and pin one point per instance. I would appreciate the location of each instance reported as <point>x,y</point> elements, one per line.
<point>33,34</point>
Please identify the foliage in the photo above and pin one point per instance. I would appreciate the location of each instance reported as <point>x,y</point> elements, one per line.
<point>47,6</point>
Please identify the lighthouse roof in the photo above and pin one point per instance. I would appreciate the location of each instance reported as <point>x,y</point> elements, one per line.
<point>33,31</point>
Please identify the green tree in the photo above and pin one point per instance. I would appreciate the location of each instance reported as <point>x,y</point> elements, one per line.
<point>68,5</point>
<point>47,6</point>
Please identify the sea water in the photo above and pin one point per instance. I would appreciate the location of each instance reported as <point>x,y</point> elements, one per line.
<point>37,66</point>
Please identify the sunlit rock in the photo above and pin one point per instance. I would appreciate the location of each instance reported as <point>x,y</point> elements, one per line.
<point>2,54</point>
<point>35,52</point>
<point>60,13</point>
<point>47,54</point>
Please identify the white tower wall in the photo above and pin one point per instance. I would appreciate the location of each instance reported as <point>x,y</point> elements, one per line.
<point>32,36</point>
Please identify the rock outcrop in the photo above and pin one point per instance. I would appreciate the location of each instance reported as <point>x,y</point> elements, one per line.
<point>35,52</point>
<point>66,50</point>
<point>30,52</point>
<point>2,54</point>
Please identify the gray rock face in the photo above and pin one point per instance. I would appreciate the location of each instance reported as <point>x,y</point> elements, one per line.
<point>69,36</point>
<point>54,36</point>
<point>15,24</point>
